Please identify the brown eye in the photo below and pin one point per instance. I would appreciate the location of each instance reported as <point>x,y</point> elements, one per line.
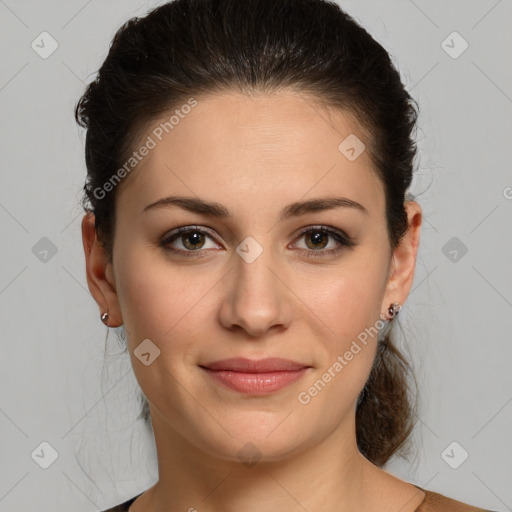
<point>187,240</point>
<point>193,240</point>
<point>318,238</point>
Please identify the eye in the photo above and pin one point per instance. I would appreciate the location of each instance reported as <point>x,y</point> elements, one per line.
<point>317,237</point>
<point>191,238</point>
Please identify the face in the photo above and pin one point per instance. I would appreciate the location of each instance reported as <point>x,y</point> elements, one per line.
<point>250,283</point>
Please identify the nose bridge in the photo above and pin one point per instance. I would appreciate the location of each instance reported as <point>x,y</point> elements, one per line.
<point>255,278</point>
<point>257,299</point>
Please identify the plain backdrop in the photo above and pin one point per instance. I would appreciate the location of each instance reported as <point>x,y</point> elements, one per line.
<point>64,406</point>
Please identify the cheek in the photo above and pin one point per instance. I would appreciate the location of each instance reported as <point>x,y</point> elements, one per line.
<point>349,301</point>
<point>349,304</point>
<point>162,304</point>
<point>159,301</point>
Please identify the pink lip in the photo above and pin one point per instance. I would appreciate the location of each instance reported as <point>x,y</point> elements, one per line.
<point>255,376</point>
<point>242,364</point>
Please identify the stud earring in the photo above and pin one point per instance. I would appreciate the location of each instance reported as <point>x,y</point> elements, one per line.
<point>104,318</point>
<point>392,311</point>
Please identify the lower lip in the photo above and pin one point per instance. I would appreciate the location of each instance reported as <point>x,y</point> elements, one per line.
<point>256,383</point>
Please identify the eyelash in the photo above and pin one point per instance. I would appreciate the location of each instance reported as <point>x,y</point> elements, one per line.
<point>341,238</point>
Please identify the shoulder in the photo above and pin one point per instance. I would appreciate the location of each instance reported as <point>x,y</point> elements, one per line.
<point>435,502</point>
<point>123,507</point>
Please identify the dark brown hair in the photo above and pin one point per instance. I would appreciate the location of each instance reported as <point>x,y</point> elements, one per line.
<point>187,48</point>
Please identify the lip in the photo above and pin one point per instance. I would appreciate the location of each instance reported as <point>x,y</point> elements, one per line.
<point>269,364</point>
<point>255,376</point>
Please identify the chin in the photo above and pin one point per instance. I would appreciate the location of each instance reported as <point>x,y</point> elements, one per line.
<point>255,437</point>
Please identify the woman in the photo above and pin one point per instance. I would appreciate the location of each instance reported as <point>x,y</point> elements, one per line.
<point>248,224</point>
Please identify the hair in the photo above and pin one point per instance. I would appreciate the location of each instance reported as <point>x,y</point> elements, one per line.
<point>190,48</point>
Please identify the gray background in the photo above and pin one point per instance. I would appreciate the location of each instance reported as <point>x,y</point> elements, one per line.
<point>456,323</point>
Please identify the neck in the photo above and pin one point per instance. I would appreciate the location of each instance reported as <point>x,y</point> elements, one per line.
<point>329,475</point>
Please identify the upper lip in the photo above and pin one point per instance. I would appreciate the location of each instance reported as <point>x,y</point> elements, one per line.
<point>242,364</point>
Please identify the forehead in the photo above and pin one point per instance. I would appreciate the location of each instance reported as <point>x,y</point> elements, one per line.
<point>251,150</point>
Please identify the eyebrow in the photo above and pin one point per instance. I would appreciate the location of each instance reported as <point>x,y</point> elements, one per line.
<point>216,210</point>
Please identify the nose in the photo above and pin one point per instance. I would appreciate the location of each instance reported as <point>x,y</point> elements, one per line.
<point>257,298</point>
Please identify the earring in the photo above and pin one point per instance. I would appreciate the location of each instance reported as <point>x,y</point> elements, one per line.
<point>392,311</point>
<point>104,318</point>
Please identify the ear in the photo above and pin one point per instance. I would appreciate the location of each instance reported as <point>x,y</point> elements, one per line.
<point>404,259</point>
<point>100,276</point>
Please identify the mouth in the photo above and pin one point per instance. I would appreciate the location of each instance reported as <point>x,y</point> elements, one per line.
<point>255,376</point>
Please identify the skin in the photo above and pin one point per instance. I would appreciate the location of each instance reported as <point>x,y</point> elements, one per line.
<point>255,155</point>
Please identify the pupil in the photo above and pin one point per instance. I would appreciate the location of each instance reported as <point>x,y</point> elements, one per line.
<point>195,237</point>
<point>317,237</point>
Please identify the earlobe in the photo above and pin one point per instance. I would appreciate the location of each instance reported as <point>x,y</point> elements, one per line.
<point>100,279</point>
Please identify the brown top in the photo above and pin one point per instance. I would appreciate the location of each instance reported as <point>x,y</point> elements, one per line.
<point>433,502</point>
